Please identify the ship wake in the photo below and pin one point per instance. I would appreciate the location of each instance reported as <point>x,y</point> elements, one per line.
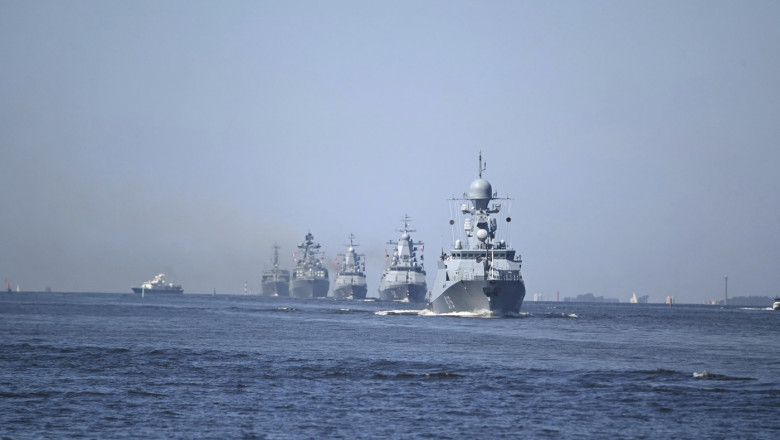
<point>474,314</point>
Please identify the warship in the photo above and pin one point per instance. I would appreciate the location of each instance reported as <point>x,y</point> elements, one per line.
<point>350,282</point>
<point>404,278</point>
<point>159,285</point>
<point>310,277</point>
<point>276,281</point>
<point>481,274</point>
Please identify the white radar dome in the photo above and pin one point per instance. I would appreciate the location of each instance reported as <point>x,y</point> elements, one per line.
<point>480,193</point>
<point>480,189</point>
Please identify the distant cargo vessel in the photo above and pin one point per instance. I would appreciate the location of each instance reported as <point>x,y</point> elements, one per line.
<point>481,274</point>
<point>310,277</point>
<point>159,285</point>
<point>404,278</point>
<point>350,282</point>
<point>276,281</point>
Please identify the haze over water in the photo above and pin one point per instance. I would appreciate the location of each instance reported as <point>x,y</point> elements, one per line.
<point>638,139</point>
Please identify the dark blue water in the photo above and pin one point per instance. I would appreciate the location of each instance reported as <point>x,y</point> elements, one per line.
<point>118,366</point>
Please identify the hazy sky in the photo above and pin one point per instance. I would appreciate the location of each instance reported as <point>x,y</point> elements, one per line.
<point>639,140</point>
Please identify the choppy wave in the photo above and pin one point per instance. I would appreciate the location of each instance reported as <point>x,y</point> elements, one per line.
<point>293,368</point>
<point>705,375</point>
<point>556,315</point>
<point>400,312</point>
<point>435,375</point>
<point>346,310</point>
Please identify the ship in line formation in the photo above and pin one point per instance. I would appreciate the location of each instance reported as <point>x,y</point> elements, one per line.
<point>350,282</point>
<point>309,277</point>
<point>479,274</point>
<point>404,278</point>
<point>276,281</point>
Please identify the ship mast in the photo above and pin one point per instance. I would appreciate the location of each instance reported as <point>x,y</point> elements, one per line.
<point>481,167</point>
<point>276,256</point>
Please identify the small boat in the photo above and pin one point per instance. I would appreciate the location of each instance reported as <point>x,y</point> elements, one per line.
<point>776,304</point>
<point>159,285</point>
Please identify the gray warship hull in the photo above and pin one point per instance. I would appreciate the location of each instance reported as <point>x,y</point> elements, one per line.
<point>350,291</point>
<point>275,281</point>
<point>276,288</point>
<point>493,296</point>
<point>404,292</point>
<point>309,288</point>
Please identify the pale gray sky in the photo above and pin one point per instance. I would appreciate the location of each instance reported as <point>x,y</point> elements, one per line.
<point>639,140</point>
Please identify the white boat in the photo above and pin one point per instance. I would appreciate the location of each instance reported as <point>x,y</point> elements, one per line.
<point>776,304</point>
<point>159,285</point>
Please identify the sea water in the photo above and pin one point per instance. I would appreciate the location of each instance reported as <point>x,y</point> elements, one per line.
<point>201,366</point>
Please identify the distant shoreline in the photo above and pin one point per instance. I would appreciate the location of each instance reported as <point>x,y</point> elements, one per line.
<point>739,301</point>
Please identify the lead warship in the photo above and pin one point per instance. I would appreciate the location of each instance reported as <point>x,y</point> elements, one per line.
<point>481,274</point>
<point>404,278</point>
<point>276,281</point>
<point>350,282</point>
<point>310,277</point>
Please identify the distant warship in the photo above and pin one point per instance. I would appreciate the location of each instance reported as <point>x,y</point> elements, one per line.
<point>350,282</point>
<point>276,281</point>
<point>310,277</point>
<point>404,278</point>
<point>482,274</point>
<point>159,285</point>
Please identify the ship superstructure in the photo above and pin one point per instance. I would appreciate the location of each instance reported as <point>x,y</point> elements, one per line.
<point>350,282</point>
<point>480,273</point>
<point>404,277</point>
<point>276,281</point>
<point>310,277</point>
